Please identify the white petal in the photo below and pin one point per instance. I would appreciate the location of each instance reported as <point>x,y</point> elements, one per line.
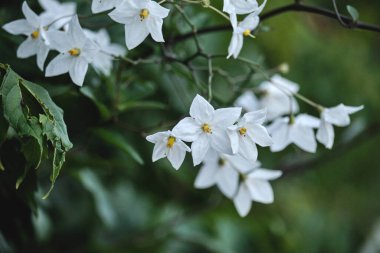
<point>159,151</point>
<point>157,10</point>
<point>336,115</point>
<point>59,41</point>
<point>241,164</point>
<point>27,48</point>
<point>125,13</point>
<point>206,176</point>
<point>353,109</point>
<point>226,117</point>
<point>187,129</point>
<point>30,16</point>
<point>325,134</point>
<point>304,138</point>
<point>20,26</point>
<point>199,148</point>
<point>259,135</point>
<point>250,22</point>
<point>257,117</point>
<point>308,120</point>
<point>243,201</point>
<point>220,141</point>
<point>42,54</point>
<point>227,181</point>
<point>135,34</point>
<point>201,110</point>
<point>265,174</point>
<point>280,138</point>
<point>76,33</point>
<point>59,65</point>
<point>176,156</point>
<point>247,148</point>
<point>182,146</point>
<point>102,5</point>
<point>248,101</point>
<point>78,70</point>
<point>154,26</point>
<point>234,139</point>
<point>157,137</point>
<point>260,190</point>
<point>284,84</point>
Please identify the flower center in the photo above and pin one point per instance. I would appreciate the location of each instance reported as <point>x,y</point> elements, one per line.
<point>35,34</point>
<point>206,128</point>
<point>144,13</point>
<point>74,52</point>
<point>243,131</point>
<point>171,141</point>
<point>247,32</point>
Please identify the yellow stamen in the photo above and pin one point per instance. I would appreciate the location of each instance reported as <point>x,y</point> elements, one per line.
<point>206,128</point>
<point>171,141</point>
<point>243,131</point>
<point>35,34</point>
<point>74,52</point>
<point>144,13</point>
<point>221,162</point>
<point>247,32</point>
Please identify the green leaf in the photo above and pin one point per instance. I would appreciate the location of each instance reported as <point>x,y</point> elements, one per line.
<point>353,12</point>
<point>34,130</point>
<point>117,140</point>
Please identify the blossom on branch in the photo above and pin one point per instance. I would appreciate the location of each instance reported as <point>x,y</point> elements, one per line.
<point>338,116</point>
<point>141,18</point>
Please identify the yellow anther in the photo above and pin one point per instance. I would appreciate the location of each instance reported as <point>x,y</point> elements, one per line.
<point>144,13</point>
<point>74,52</point>
<point>221,162</point>
<point>171,141</point>
<point>206,128</point>
<point>247,32</point>
<point>35,34</point>
<point>243,131</point>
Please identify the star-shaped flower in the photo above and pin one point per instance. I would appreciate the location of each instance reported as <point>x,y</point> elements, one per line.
<point>254,186</point>
<point>76,52</point>
<point>338,116</point>
<point>277,96</point>
<point>206,128</point>
<point>102,61</point>
<point>247,132</point>
<point>298,130</point>
<point>170,146</point>
<point>33,27</point>
<point>141,18</point>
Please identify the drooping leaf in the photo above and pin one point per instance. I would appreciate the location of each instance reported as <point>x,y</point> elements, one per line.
<point>35,131</point>
<point>117,140</point>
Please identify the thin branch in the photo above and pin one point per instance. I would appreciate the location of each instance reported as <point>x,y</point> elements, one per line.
<point>298,7</point>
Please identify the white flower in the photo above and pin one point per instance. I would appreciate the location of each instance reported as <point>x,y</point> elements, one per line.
<point>76,52</point>
<point>221,169</point>
<point>241,6</point>
<point>104,5</point>
<point>206,128</point>
<point>240,30</point>
<point>338,116</point>
<point>255,187</point>
<point>102,61</point>
<point>248,131</point>
<point>248,101</point>
<point>141,18</point>
<point>32,27</point>
<point>297,130</point>
<point>57,14</point>
<point>168,145</point>
<point>277,96</point>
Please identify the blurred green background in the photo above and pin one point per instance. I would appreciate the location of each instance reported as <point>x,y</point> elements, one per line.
<point>106,201</point>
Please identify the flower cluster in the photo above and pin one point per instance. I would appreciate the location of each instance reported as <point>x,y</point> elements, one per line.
<point>58,28</point>
<point>225,143</point>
